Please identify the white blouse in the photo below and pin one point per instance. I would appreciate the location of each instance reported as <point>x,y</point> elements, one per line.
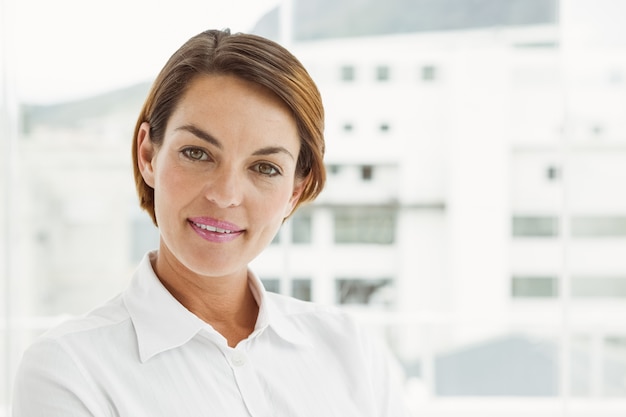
<point>144,355</point>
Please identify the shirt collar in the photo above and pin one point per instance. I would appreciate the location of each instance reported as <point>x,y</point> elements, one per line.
<point>273,314</point>
<point>162,323</point>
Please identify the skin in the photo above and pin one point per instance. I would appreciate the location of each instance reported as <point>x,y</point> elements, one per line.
<point>228,159</point>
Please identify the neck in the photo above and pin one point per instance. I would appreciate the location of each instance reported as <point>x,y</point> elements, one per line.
<point>226,303</point>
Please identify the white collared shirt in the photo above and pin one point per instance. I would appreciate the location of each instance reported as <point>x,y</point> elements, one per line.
<point>144,355</point>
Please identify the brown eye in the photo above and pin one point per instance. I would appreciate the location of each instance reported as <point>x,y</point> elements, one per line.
<point>267,169</point>
<point>195,154</point>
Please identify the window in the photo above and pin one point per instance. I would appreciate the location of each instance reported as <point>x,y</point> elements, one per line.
<point>301,227</point>
<point>382,73</point>
<point>535,226</point>
<point>367,172</point>
<point>333,169</point>
<point>581,226</point>
<point>597,129</point>
<point>614,373</point>
<point>347,73</point>
<point>599,287</point>
<point>581,287</point>
<point>534,287</point>
<point>535,45</point>
<point>363,291</point>
<point>301,289</point>
<point>365,225</point>
<point>597,226</point>
<point>553,173</point>
<point>428,73</point>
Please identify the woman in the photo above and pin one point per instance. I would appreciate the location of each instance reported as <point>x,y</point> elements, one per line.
<point>228,144</point>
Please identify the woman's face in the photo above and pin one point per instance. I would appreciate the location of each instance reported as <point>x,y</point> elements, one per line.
<point>224,175</point>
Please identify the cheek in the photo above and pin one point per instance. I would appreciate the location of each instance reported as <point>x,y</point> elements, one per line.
<point>282,205</point>
<point>270,207</point>
<point>170,188</point>
<point>172,183</point>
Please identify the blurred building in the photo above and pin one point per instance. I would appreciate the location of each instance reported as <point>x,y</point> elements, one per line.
<point>81,221</point>
<point>470,187</point>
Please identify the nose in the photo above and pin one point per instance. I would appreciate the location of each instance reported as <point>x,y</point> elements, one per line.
<point>224,188</point>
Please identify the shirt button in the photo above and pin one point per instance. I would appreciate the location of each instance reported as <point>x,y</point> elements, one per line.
<point>238,359</point>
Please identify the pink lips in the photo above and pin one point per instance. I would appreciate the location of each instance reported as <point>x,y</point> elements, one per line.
<point>215,230</point>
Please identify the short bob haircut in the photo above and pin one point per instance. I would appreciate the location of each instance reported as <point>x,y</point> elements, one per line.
<point>251,58</point>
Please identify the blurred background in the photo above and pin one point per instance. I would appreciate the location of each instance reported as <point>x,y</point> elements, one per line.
<point>474,218</point>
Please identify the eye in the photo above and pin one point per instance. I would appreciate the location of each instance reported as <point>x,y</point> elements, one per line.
<point>195,154</point>
<point>266,169</point>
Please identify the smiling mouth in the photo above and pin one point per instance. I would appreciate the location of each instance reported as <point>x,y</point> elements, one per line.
<point>212,228</point>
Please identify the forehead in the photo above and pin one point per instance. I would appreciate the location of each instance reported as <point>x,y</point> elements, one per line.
<point>227,89</point>
<point>228,105</point>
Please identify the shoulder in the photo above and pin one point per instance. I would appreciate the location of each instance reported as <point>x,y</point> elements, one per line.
<point>109,314</point>
<point>54,373</point>
<point>66,350</point>
<point>83,336</point>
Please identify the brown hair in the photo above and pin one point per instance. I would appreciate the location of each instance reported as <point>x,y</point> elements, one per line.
<point>251,58</point>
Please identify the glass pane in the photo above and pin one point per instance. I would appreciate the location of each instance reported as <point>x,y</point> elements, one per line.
<point>301,225</point>
<point>364,225</point>
<point>382,73</point>
<point>373,292</point>
<point>598,365</point>
<point>532,226</point>
<point>429,73</point>
<point>301,289</point>
<point>591,287</point>
<point>599,226</point>
<point>347,73</point>
<point>367,172</point>
<point>614,367</point>
<point>582,365</point>
<point>534,287</point>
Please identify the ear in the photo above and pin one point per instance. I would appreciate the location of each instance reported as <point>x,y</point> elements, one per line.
<point>298,188</point>
<point>145,154</point>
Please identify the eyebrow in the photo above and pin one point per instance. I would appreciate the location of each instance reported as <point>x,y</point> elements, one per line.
<point>201,134</point>
<point>271,150</point>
